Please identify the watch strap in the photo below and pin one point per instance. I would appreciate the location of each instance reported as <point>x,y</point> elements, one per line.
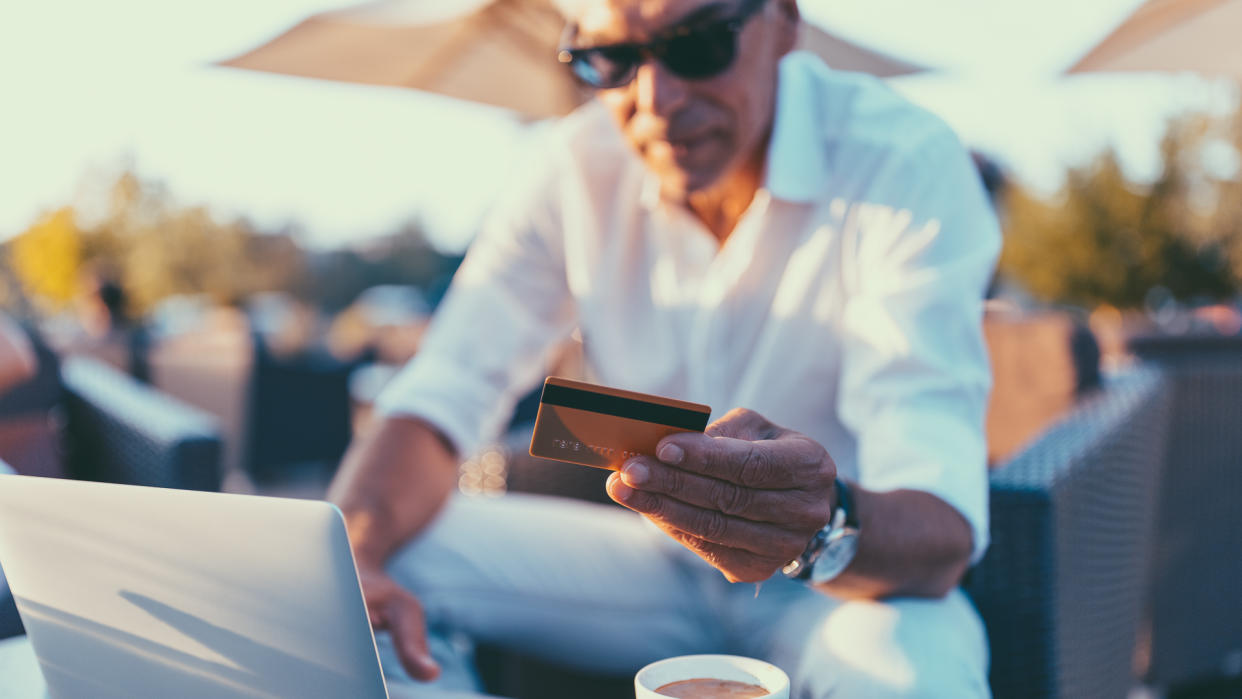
<point>843,515</point>
<point>845,503</point>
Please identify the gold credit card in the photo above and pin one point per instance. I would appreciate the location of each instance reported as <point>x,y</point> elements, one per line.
<point>598,426</point>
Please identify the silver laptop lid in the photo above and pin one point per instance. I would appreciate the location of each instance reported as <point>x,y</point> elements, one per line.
<point>144,592</point>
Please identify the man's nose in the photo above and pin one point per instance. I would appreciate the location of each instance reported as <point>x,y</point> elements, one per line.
<point>659,91</point>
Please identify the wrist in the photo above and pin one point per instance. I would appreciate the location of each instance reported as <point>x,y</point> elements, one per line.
<point>369,561</point>
<point>369,551</point>
<point>833,548</point>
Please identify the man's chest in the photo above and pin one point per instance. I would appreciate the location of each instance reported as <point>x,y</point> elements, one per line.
<point>663,308</point>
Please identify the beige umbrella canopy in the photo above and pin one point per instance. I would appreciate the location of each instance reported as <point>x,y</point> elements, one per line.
<point>1203,36</point>
<point>497,52</point>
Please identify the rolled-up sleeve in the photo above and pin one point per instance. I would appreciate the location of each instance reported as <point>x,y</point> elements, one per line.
<point>508,305</point>
<point>915,376</point>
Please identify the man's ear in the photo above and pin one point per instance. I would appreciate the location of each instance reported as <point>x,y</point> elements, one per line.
<point>790,23</point>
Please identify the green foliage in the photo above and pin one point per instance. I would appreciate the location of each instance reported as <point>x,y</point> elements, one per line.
<point>161,249</point>
<point>157,248</point>
<point>404,257</point>
<point>1103,239</point>
<point>153,247</point>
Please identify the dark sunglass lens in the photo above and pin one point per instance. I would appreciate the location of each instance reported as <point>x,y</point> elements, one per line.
<point>702,53</point>
<point>605,67</point>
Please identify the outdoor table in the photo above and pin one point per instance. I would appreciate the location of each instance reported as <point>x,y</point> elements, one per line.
<point>20,677</point>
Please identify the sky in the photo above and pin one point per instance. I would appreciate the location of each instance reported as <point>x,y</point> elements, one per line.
<point>88,87</point>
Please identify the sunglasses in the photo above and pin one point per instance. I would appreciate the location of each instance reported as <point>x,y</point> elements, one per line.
<point>695,52</point>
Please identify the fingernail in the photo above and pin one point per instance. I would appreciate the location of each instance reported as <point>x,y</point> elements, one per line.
<point>671,454</point>
<point>620,490</point>
<point>635,473</point>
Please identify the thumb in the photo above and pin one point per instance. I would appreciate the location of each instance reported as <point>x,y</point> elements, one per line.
<point>744,424</point>
<point>404,620</point>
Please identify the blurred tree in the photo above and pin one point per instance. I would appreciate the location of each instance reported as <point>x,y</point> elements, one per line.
<point>1228,190</point>
<point>1105,239</point>
<point>402,257</point>
<point>46,259</point>
<point>155,248</point>
<point>162,249</point>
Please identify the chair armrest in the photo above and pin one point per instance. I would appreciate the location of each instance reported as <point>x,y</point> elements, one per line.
<point>1061,587</point>
<point>121,431</point>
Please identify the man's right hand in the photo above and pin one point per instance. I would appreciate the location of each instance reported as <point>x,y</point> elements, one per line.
<point>394,609</point>
<point>393,481</point>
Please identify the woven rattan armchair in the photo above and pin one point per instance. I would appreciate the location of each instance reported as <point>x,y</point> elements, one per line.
<point>121,431</point>
<point>1061,588</point>
<point>1192,628</point>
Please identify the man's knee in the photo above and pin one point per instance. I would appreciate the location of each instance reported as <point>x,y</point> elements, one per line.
<point>902,648</point>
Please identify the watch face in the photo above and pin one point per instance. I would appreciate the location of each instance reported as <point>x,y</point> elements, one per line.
<point>836,557</point>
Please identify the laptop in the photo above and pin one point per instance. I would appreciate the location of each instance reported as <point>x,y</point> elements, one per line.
<point>129,591</point>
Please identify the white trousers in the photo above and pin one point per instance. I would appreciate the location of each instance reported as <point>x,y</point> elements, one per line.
<point>598,589</point>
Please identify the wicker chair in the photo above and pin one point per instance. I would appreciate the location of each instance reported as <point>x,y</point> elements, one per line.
<point>120,431</point>
<point>299,413</point>
<point>1193,624</point>
<point>1061,587</point>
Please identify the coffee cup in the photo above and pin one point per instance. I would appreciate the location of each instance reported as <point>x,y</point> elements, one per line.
<point>731,668</point>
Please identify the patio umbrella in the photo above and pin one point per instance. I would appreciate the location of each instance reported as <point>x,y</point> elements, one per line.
<point>1203,36</point>
<point>498,52</point>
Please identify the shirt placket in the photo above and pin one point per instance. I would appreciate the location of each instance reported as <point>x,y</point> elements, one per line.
<point>718,299</point>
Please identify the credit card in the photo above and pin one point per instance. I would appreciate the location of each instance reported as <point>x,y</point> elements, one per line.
<point>582,423</point>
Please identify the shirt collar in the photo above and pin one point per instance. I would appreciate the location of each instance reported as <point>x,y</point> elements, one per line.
<point>797,166</point>
<point>797,170</point>
<point>650,197</point>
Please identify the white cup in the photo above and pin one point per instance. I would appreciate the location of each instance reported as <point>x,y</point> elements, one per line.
<point>716,667</point>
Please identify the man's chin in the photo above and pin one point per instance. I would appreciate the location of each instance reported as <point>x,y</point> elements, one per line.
<point>677,184</point>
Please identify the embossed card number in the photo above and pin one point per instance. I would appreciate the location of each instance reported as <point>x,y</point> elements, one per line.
<point>600,426</point>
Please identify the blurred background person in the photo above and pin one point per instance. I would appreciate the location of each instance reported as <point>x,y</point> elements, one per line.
<point>109,331</point>
<point>17,363</point>
<point>17,356</point>
<point>30,391</point>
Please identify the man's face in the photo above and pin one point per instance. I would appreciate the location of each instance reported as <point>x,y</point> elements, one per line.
<point>691,132</point>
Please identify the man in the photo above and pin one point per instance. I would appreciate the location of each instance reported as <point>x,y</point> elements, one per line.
<point>737,227</point>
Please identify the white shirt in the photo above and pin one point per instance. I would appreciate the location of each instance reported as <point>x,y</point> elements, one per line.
<point>846,303</point>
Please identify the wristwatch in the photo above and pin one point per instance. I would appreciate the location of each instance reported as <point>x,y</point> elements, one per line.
<point>832,548</point>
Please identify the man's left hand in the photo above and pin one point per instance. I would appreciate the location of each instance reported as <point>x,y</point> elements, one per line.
<point>746,495</point>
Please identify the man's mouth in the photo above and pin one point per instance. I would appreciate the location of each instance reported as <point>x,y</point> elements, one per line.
<point>682,146</point>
